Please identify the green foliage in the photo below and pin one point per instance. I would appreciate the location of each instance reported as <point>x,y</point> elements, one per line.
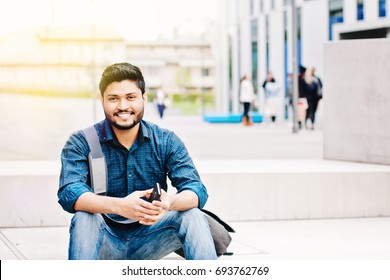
<point>191,103</point>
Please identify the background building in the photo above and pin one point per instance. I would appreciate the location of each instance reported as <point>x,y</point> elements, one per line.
<point>68,61</point>
<point>260,36</point>
<point>61,61</point>
<point>175,65</point>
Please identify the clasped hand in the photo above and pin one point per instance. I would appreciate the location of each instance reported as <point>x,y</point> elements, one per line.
<point>147,213</point>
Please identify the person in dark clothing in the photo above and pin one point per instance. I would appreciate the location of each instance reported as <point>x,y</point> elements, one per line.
<point>302,102</point>
<point>313,87</point>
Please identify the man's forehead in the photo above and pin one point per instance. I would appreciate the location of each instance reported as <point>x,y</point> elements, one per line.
<point>124,87</point>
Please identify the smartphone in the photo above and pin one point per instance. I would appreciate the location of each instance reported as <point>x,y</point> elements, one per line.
<point>156,193</point>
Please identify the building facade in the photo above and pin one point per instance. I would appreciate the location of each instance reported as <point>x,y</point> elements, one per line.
<point>57,61</point>
<point>260,36</point>
<point>68,61</point>
<point>176,65</point>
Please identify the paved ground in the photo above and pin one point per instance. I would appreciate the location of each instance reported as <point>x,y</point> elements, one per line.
<point>47,122</point>
<point>36,128</point>
<point>333,239</point>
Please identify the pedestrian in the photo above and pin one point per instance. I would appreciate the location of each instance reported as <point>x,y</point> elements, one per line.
<point>273,99</point>
<point>289,98</point>
<point>139,154</point>
<point>313,96</point>
<point>161,102</point>
<point>247,97</point>
<point>302,101</point>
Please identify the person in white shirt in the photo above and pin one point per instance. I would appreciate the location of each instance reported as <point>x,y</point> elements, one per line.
<point>247,96</point>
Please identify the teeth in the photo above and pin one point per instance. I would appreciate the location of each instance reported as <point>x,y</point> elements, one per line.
<point>123,115</point>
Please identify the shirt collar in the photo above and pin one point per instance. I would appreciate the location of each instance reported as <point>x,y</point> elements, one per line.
<point>107,134</point>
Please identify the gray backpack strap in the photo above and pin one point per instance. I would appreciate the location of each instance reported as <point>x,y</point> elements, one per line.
<point>97,162</point>
<point>98,169</point>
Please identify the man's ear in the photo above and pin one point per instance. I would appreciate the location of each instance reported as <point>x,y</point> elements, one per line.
<point>101,99</point>
<point>145,97</point>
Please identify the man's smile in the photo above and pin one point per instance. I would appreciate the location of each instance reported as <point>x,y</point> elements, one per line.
<point>124,115</point>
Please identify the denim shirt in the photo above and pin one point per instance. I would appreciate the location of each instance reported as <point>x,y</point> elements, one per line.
<point>155,154</point>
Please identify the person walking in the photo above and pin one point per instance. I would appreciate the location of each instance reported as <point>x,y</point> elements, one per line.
<point>161,102</point>
<point>313,96</point>
<point>302,101</point>
<point>273,99</point>
<point>138,154</point>
<point>247,97</point>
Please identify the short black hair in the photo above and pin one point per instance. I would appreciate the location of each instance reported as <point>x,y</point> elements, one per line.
<point>121,71</point>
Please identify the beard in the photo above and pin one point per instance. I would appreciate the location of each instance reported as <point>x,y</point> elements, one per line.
<point>137,119</point>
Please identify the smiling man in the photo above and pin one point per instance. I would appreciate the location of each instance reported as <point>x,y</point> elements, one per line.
<point>139,154</point>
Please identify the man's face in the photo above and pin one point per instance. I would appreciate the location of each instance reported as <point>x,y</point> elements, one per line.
<point>123,104</point>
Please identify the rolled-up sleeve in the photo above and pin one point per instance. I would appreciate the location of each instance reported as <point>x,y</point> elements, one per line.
<point>181,169</point>
<point>74,176</point>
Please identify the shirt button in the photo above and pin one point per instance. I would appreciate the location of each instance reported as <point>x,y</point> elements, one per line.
<point>129,175</point>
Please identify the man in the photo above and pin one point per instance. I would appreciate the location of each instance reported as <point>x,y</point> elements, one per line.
<point>138,155</point>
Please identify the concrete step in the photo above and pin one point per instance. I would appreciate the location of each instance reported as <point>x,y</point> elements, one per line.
<point>240,190</point>
<point>255,190</point>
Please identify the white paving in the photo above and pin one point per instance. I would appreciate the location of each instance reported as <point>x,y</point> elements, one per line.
<point>331,239</point>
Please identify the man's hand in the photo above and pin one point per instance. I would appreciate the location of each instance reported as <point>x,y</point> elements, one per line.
<point>163,205</point>
<point>135,208</point>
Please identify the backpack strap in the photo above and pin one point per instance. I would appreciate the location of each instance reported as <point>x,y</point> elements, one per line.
<point>98,170</point>
<point>97,162</point>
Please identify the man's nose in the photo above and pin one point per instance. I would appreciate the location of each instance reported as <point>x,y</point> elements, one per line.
<point>123,104</point>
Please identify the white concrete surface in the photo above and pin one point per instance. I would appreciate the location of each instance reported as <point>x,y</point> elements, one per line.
<point>305,189</point>
<point>333,239</point>
<point>239,190</point>
<point>356,108</point>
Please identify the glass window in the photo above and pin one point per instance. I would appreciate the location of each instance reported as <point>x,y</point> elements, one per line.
<point>335,14</point>
<point>254,51</point>
<point>205,72</point>
<point>360,9</point>
<point>382,8</point>
<point>254,30</point>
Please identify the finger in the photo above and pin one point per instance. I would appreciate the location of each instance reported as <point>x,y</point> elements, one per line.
<point>163,193</point>
<point>150,205</point>
<point>146,223</point>
<point>150,210</point>
<point>141,193</point>
<point>164,203</point>
<point>148,220</point>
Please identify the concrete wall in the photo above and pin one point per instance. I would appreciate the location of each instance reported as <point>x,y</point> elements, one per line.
<point>357,101</point>
<point>239,190</point>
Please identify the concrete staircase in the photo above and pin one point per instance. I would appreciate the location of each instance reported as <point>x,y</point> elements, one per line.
<point>240,190</point>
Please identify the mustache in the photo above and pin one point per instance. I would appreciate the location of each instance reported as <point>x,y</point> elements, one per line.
<point>124,111</point>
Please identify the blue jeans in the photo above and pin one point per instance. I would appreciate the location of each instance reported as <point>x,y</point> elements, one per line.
<point>92,238</point>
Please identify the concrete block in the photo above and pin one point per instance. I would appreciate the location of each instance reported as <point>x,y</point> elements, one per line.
<point>239,190</point>
<point>357,101</point>
<point>306,189</point>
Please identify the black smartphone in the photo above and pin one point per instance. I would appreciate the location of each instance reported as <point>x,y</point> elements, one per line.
<point>156,193</point>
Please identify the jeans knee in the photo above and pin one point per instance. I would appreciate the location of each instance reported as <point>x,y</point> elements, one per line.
<point>194,216</point>
<point>85,220</point>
